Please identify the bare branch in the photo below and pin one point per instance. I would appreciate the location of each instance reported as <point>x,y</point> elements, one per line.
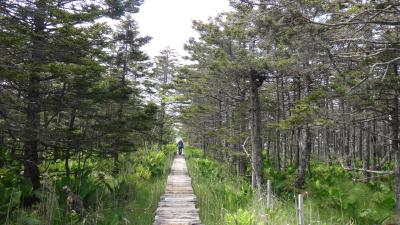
<point>364,170</point>
<point>244,148</point>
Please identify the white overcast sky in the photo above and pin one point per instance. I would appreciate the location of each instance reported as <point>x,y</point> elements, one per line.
<point>169,22</point>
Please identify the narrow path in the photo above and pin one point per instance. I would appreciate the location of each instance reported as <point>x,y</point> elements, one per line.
<point>178,204</point>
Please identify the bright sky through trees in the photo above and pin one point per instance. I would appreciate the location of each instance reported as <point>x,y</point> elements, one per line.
<point>170,22</point>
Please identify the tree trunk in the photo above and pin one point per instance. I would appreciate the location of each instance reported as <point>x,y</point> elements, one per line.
<point>366,156</point>
<point>298,97</point>
<point>70,140</point>
<point>291,147</point>
<point>328,145</point>
<point>304,163</point>
<point>204,142</point>
<point>297,156</point>
<point>277,132</point>
<point>243,127</point>
<point>300,180</point>
<point>346,140</point>
<point>277,150</point>
<point>284,148</point>
<point>256,145</point>
<point>374,147</point>
<point>32,126</point>
<point>161,133</point>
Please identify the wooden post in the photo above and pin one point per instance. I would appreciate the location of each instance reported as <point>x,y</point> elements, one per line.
<point>300,210</point>
<point>269,194</point>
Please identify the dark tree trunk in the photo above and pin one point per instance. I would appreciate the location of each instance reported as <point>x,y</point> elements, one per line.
<point>277,132</point>
<point>284,145</point>
<point>300,180</point>
<point>32,125</point>
<point>56,150</point>
<point>284,150</point>
<point>304,163</point>
<point>161,133</point>
<point>204,143</point>
<point>374,147</point>
<point>291,147</point>
<point>297,156</point>
<point>298,96</point>
<point>58,121</point>
<point>360,142</point>
<point>328,145</point>
<point>277,150</point>
<point>256,145</point>
<point>346,139</point>
<point>118,140</point>
<point>70,142</point>
<point>366,153</point>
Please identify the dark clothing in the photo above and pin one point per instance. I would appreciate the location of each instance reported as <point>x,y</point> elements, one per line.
<point>180,146</point>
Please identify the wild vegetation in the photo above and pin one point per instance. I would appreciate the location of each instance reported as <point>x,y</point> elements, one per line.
<point>76,133</point>
<point>302,93</point>
<point>294,90</point>
<point>130,197</point>
<point>227,199</point>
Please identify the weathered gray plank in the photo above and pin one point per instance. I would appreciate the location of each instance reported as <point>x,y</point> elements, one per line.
<point>178,205</point>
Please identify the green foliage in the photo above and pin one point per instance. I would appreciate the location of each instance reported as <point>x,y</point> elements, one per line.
<point>333,187</point>
<point>207,168</point>
<point>154,161</point>
<point>193,152</point>
<point>13,190</point>
<point>109,198</point>
<point>219,193</point>
<point>240,217</point>
<point>331,196</point>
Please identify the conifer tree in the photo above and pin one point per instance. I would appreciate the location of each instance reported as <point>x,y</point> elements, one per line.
<point>46,44</point>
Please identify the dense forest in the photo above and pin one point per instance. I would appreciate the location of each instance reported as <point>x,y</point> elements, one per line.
<point>303,93</point>
<point>278,85</point>
<point>73,87</point>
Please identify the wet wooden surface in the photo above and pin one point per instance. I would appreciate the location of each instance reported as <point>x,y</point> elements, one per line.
<point>178,204</point>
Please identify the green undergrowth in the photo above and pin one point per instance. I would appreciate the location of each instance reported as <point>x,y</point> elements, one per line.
<point>130,197</point>
<point>338,196</point>
<point>331,196</point>
<point>218,193</point>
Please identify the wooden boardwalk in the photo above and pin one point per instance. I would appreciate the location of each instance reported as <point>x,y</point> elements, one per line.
<point>178,204</point>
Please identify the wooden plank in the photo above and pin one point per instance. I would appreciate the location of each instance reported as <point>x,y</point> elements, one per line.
<point>178,205</point>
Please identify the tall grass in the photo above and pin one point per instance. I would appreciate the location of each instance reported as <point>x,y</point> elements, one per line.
<point>330,198</point>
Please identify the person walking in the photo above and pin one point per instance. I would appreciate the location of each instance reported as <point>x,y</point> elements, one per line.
<point>180,146</point>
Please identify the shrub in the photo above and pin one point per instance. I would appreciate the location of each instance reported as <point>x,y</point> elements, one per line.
<point>240,217</point>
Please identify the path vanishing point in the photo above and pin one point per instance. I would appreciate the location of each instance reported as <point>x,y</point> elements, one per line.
<point>178,204</point>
